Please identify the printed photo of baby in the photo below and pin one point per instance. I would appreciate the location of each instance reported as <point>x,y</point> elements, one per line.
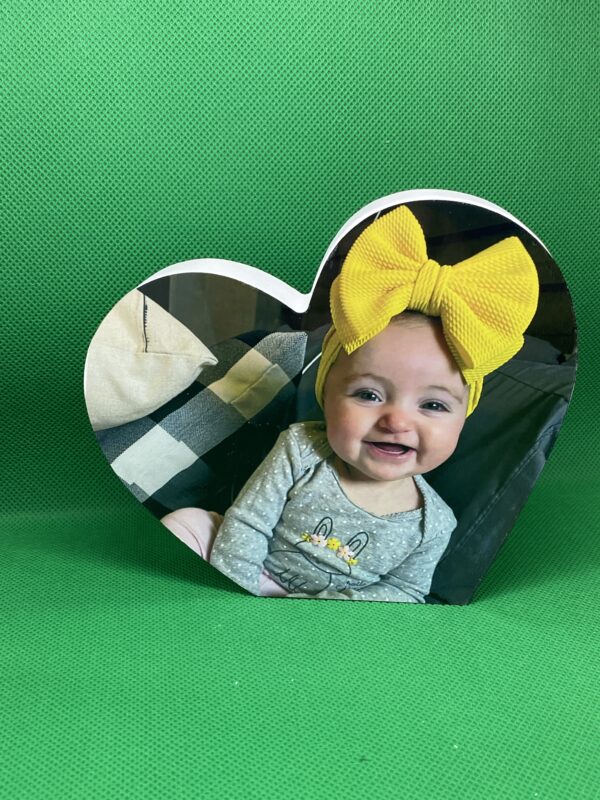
<point>341,508</point>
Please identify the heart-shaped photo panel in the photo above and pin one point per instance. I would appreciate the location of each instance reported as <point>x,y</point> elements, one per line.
<point>373,439</point>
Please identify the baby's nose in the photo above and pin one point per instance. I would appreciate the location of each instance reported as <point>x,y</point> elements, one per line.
<point>395,419</point>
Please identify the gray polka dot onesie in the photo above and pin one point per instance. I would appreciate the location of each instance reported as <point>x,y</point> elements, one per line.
<point>293,520</point>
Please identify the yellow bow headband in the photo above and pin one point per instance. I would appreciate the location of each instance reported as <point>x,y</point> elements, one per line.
<point>485,302</point>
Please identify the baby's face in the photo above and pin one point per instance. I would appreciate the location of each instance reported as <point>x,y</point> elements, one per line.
<point>396,406</point>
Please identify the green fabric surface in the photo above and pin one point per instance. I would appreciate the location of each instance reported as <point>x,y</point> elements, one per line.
<point>140,134</point>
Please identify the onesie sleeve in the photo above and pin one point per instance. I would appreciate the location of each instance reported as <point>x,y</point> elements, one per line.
<point>242,542</point>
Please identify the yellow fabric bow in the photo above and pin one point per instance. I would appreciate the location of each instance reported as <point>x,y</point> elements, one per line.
<point>485,302</point>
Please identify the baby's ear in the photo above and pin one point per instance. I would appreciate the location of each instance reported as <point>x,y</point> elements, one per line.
<point>324,527</point>
<point>358,542</point>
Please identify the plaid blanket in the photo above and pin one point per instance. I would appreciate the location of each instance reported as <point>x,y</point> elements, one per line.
<point>201,447</point>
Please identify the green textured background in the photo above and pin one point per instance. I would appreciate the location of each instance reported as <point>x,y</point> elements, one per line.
<point>136,135</point>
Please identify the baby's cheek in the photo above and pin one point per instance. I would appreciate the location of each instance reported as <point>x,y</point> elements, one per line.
<point>441,443</point>
<point>341,439</point>
<point>338,443</point>
<point>449,443</point>
<point>339,425</point>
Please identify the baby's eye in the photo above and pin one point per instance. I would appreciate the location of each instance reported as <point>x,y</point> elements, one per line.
<point>367,394</point>
<point>435,405</point>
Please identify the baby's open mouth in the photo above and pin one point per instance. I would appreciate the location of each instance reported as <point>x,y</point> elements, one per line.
<point>391,447</point>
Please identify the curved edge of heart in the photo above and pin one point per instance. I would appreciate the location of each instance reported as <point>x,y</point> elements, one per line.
<point>299,301</point>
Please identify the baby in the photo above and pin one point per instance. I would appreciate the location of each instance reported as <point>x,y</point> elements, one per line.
<point>340,509</point>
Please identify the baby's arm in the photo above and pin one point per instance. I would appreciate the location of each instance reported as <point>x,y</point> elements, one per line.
<point>242,543</point>
<point>408,583</point>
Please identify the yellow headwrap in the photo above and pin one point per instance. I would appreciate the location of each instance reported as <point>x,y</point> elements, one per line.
<point>485,302</point>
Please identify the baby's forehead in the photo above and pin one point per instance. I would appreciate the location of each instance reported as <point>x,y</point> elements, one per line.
<point>417,346</point>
